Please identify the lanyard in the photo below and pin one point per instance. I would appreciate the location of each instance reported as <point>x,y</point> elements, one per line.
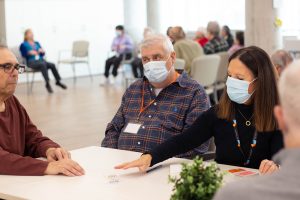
<point>238,141</point>
<point>34,46</point>
<point>142,108</point>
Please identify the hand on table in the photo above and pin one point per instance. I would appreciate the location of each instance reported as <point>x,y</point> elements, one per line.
<point>54,154</point>
<point>67,167</point>
<point>267,167</point>
<point>143,163</point>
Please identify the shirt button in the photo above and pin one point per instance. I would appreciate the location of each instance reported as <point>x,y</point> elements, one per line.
<point>151,89</point>
<point>149,116</point>
<point>139,143</point>
<point>155,103</point>
<point>143,127</point>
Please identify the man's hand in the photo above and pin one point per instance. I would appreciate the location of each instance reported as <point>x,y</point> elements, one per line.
<point>67,167</point>
<point>55,154</point>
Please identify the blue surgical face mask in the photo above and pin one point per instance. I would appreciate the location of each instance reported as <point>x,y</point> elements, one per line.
<point>156,71</point>
<point>118,33</point>
<point>237,90</point>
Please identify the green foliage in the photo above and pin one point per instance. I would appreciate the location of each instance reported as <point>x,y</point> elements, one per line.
<point>197,181</point>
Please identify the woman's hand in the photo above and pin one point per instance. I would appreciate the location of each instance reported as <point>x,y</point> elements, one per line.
<point>267,167</point>
<point>143,163</point>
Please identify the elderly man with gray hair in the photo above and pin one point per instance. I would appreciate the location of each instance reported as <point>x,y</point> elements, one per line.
<point>281,59</point>
<point>160,105</point>
<point>215,43</point>
<point>285,183</point>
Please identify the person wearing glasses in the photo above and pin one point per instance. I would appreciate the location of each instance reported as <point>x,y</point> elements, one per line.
<point>159,106</point>
<point>20,140</point>
<point>34,54</point>
<point>243,124</point>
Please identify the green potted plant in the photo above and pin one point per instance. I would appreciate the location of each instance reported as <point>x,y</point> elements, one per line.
<point>197,181</point>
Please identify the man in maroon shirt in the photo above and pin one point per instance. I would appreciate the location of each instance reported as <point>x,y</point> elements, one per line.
<point>20,140</point>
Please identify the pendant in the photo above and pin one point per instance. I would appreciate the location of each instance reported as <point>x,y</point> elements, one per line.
<point>248,123</point>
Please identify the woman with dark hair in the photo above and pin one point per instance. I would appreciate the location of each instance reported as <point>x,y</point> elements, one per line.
<point>243,125</point>
<point>34,54</point>
<point>226,34</point>
<point>238,42</point>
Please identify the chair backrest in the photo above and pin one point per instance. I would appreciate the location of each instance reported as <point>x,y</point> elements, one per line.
<point>205,69</point>
<point>222,71</point>
<point>291,43</point>
<point>212,146</point>
<point>179,64</point>
<point>16,51</point>
<point>80,48</point>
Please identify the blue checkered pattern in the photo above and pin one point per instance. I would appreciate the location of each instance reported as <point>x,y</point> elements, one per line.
<point>174,110</point>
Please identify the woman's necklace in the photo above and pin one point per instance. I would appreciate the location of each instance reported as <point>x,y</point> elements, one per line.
<point>248,121</point>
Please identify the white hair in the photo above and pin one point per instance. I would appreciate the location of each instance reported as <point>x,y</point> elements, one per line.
<point>281,58</point>
<point>154,39</point>
<point>289,92</point>
<point>213,28</point>
<point>148,31</point>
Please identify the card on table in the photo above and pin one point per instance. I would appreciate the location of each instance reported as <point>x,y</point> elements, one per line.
<point>241,172</point>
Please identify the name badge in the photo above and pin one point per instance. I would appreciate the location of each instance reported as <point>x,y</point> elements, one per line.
<point>37,57</point>
<point>132,128</point>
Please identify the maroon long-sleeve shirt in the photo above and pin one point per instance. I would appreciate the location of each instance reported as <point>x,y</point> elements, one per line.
<point>21,142</point>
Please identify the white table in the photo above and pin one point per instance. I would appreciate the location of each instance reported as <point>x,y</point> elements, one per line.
<point>98,163</point>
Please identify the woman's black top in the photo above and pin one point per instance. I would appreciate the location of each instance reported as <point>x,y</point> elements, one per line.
<point>227,152</point>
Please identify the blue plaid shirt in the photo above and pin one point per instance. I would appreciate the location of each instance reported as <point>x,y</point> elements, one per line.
<point>174,110</point>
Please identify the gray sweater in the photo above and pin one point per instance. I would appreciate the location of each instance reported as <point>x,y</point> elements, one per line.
<point>282,185</point>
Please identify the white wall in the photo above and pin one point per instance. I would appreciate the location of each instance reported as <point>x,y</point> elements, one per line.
<point>57,23</point>
<point>289,14</point>
<point>191,14</point>
<point>135,18</point>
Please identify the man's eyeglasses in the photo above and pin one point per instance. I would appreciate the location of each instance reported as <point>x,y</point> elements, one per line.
<point>9,68</point>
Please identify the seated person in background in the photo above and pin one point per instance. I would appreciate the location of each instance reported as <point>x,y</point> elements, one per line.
<point>122,45</point>
<point>281,59</point>
<point>215,43</point>
<point>200,36</point>
<point>185,49</point>
<point>34,54</point>
<point>238,42</point>
<point>159,106</point>
<point>226,34</point>
<point>137,65</point>
<point>20,140</point>
<point>169,33</point>
<point>285,183</point>
<point>243,126</point>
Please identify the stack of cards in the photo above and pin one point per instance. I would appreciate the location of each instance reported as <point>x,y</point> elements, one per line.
<point>242,172</point>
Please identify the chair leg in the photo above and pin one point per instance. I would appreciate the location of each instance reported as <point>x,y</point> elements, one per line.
<point>124,73</point>
<point>27,83</point>
<point>74,73</point>
<point>32,81</point>
<point>90,72</point>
